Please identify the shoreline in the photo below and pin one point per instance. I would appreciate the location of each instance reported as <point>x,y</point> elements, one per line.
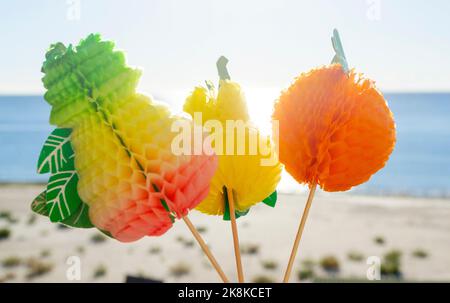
<point>284,192</point>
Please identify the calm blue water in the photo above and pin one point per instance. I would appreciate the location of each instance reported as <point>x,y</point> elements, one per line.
<point>23,129</point>
<point>420,164</point>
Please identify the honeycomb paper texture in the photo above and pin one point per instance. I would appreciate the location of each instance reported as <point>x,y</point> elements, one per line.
<point>335,129</point>
<point>128,176</point>
<point>249,181</point>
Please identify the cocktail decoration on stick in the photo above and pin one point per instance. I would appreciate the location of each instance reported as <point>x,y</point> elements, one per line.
<point>246,174</point>
<point>335,130</point>
<point>110,158</point>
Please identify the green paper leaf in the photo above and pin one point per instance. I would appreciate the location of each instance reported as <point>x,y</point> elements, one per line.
<point>226,213</point>
<point>80,218</point>
<point>56,153</point>
<point>39,204</point>
<point>61,201</point>
<point>339,50</point>
<point>271,200</point>
<point>62,196</point>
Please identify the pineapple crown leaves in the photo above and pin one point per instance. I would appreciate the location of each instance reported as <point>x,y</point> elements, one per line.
<point>73,76</point>
<point>60,201</point>
<point>55,52</point>
<point>59,55</point>
<point>339,57</point>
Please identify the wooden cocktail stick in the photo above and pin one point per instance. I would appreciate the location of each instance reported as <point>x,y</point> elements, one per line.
<point>299,233</point>
<point>205,249</point>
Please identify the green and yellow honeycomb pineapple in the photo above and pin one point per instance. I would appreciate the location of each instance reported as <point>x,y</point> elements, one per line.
<point>128,175</point>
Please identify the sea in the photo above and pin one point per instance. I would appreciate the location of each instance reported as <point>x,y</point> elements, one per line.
<point>419,165</point>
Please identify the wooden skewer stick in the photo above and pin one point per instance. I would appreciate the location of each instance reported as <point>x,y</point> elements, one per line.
<point>237,251</point>
<point>299,234</point>
<point>205,249</point>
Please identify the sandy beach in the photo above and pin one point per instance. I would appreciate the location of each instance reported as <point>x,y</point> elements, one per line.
<point>339,225</point>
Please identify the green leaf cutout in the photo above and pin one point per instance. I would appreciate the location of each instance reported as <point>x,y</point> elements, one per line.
<point>39,204</point>
<point>80,218</point>
<point>226,213</point>
<point>62,196</point>
<point>271,200</point>
<point>56,153</point>
<point>339,50</point>
<point>61,202</point>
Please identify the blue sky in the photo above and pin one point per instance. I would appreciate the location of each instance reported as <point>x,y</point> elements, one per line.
<point>403,45</point>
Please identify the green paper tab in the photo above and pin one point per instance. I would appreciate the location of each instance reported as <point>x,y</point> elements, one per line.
<point>222,68</point>
<point>271,200</point>
<point>339,50</point>
<point>57,152</point>
<point>226,213</point>
<point>164,204</point>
